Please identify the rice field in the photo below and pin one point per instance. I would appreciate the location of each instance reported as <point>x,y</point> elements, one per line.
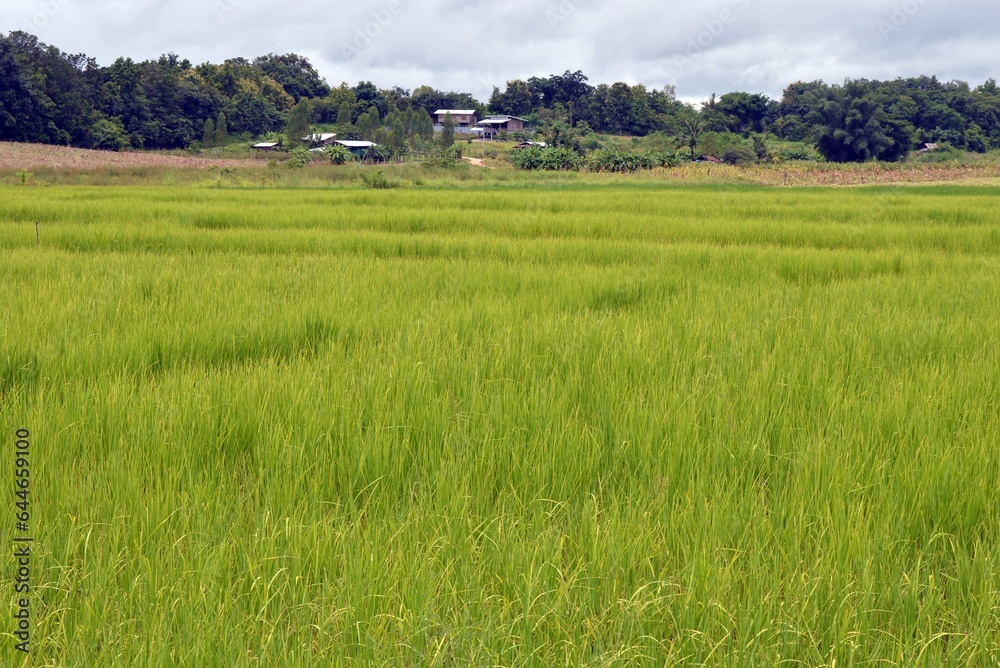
<point>549,424</point>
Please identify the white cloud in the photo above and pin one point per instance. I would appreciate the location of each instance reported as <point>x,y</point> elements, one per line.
<point>470,45</point>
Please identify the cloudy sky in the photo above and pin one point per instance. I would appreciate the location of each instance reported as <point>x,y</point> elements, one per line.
<point>700,47</point>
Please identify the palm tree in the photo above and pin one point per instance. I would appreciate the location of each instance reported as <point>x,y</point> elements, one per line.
<point>692,128</point>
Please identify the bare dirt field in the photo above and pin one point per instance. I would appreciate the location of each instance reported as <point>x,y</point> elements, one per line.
<point>40,156</point>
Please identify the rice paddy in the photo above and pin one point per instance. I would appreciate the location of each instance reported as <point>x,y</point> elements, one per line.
<point>566,424</point>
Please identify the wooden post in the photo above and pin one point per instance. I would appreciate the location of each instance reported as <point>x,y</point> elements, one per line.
<point>38,238</point>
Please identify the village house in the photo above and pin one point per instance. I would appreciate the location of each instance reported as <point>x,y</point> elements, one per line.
<point>491,126</point>
<point>464,120</point>
<point>320,140</point>
<point>358,148</point>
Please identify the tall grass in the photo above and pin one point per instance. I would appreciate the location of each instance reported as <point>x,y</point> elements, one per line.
<point>507,426</point>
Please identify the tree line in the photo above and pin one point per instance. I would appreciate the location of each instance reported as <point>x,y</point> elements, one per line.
<point>48,96</point>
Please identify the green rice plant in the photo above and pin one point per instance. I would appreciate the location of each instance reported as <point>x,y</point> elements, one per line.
<point>505,422</point>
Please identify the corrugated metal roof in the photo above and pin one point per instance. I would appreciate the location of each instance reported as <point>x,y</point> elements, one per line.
<point>320,137</point>
<point>265,145</point>
<point>355,144</point>
<point>456,112</point>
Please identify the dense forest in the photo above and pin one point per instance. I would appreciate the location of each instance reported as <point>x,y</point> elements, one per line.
<point>48,96</point>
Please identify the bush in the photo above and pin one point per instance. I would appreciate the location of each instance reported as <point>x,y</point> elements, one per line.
<point>624,162</point>
<point>551,159</point>
<point>300,157</point>
<point>378,181</point>
<point>738,155</point>
<point>442,162</point>
<point>109,135</point>
<point>800,153</point>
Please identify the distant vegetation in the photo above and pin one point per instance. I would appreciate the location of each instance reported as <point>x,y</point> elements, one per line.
<point>52,97</point>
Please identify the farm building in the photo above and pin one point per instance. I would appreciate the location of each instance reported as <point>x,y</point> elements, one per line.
<point>359,148</point>
<point>464,120</point>
<point>491,126</point>
<point>267,146</point>
<point>321,139</point>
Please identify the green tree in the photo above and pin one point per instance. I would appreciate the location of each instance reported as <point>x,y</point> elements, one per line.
<point>109,135</point>
<point>397,139</point>
<point>221,130</point>
<point>295,74</point>
<point>517,100</point>
<point>424,125</point>
<point>208,135</point>
<point>345,114</point>
<point>851,125</point>
<point>298,122</point>
<point>691,128</point>
<point>447,131</point>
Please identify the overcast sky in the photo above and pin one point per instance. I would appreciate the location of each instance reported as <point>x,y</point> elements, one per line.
<point>701,47</point>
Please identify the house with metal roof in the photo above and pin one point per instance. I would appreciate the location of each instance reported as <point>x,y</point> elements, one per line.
<point>321,139</point>
<point>464,120</point>
<point>491,126</point>
<point>357,147</point>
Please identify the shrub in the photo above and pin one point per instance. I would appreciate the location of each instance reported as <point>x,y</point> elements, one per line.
<point>738,155</point>
<point>299,158</point>
<point>800,153</point>
<point>109,135</point>
<point>624,162</point>
<point>378,181</point>
<point>551,159</point>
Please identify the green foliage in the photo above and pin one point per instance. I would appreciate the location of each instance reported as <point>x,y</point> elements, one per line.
<point>295,74</point>
<point>613,160</point>
<point>442,162</point>
<point>345,115</point>
<point>851,127</point>
<point>516,100</point>
<point>447,131</point>
<point>550,159</point>
<point>299,157</point>
<point>221,130</point>
<point>738,154</point>
<point>208,134</point>
<point>298,123</point>
<point>52,97</point>
<point>109,135</point>
<point>800,153</point>
<point>338,154</point>
<point>378,181</point>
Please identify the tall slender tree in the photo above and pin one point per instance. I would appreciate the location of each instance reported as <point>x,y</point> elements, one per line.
<point>298,122</point>
<point>221,130</point>
<point>447,131</point>
<point>208,136</point>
